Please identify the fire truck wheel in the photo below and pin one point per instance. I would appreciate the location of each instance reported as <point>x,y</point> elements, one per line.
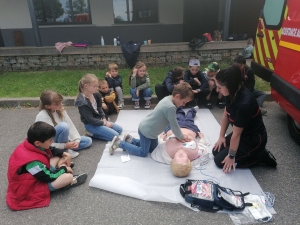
<point>294,129</point>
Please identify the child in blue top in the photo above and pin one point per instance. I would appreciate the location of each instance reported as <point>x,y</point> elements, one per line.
<point>114,81</point>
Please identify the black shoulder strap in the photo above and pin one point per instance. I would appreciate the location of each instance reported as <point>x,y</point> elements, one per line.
<point>205,209</point>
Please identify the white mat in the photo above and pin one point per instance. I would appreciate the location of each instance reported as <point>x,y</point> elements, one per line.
<point>146,179</point>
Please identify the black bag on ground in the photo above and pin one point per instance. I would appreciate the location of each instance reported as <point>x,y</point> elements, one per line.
<point>210,197</point>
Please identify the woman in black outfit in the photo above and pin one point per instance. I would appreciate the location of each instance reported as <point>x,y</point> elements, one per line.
<point>245,146</point>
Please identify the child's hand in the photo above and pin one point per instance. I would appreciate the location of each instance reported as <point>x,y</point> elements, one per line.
<point>134,71</point>
<point>69,170</point>
<point>195,91</point>
<point>137,93</point>
<point>108,124</point>
<point>108,74</point>
<point>72,145</point>
<point>104,106</point>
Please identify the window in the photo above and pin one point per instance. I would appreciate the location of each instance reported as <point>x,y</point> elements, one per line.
<point>135,11</point>
<point>273,13</point>
<point>62,11</point>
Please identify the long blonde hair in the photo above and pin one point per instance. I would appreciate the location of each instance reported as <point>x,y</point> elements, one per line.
<point>138,65</point>
<point>47,98</point>
<point>86,79</point>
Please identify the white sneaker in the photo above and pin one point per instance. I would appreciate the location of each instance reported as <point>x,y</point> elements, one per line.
<point>73,154</point>
<point>121,105</point>
<point>263,111</point>
<point>136,105</point>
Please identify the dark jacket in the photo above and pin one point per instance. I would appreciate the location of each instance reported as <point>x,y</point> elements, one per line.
<point>131,52</point>
<point>189,78</point>
<point>87,113</point>
<point>249,79</point>
<point>170,81</point>
<point>114,82</point>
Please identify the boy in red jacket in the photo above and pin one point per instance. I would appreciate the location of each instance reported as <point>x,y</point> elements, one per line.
<point>35,169</point>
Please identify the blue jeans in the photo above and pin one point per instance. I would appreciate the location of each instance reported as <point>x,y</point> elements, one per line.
<point>146,94</point>
<point>140,147</point>
<point>62,136</point>
<point>103,132</point>
<point>260,96</point>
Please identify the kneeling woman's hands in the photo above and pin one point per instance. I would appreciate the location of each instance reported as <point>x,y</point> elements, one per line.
<point>228,163</point>
<point>219,143</point>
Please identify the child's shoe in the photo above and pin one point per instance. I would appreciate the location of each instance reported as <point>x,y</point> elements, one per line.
<point>147,104</point>
<point>127,138</point>
<point>220,104</point>
<point>77,180</point>
<point>208,104</point>
<point>136,104</point>
<point>115,143</point>
<point>120,105</point>
<point>88,134</point>
<point>73,154</point>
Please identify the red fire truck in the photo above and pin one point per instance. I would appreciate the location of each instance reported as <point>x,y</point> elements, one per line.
<point>276,57</point>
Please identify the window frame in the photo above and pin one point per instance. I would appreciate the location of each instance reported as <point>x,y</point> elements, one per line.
<point>278,26</point>
<point>155,20</point>
<point>67,23</point>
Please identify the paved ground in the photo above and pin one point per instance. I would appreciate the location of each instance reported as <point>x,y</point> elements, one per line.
<point>85,205</point>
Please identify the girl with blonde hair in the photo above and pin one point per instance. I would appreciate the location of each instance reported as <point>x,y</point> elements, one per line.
<point>53,113</point>
<point>89,103</point>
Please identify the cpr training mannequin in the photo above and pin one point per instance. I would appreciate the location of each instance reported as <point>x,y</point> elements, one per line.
<point>179,155</point>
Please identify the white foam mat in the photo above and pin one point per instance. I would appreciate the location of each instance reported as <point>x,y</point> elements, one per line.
<point>146,179</point>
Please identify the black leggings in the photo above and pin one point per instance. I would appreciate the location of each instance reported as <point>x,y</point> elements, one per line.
<point>161,91</point>
<point>250,146</point>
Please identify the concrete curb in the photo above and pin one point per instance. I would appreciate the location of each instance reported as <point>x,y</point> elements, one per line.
<point>68,101</point>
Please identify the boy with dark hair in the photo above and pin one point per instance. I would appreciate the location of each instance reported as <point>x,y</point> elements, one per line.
<point>173,77</point>
<point>114,81</point>
<point>249,82</point>
<point>154,123</point>
<point>196,79</point>
<point>35,169</point>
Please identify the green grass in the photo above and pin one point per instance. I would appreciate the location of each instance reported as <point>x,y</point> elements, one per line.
<point>65,82</point>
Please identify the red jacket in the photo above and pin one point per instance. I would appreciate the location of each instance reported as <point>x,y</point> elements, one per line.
<point>25,191</point>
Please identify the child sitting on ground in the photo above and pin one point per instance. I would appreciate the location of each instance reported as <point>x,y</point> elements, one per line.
<point>139,82</point>
<point>53,113</point>
<point>154,123</point>
<point>89,103</point>
<point>109,105</point>
<point>35,169</point>
<point>173,78</point>
<point>114,81</point>
<point>210,73</point>
<point>196,79</point>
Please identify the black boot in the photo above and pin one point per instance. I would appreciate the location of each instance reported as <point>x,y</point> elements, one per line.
<point>267,158</point>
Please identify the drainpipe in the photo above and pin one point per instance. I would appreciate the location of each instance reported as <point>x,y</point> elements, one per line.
<point>226,20</point>
<point>34,24</point>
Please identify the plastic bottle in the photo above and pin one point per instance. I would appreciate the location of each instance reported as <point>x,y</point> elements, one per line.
<point>102,41</point>
<point>118,41</point>
<point>115,41</point>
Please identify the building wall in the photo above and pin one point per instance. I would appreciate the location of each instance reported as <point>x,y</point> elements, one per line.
<point>14,14</point>
<point>170,20</point>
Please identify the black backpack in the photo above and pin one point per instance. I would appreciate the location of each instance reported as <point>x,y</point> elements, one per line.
<point>210,197</point>
<point>197,42</point>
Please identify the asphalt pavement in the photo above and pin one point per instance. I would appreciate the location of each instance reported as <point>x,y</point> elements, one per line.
<point>86,205</point>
